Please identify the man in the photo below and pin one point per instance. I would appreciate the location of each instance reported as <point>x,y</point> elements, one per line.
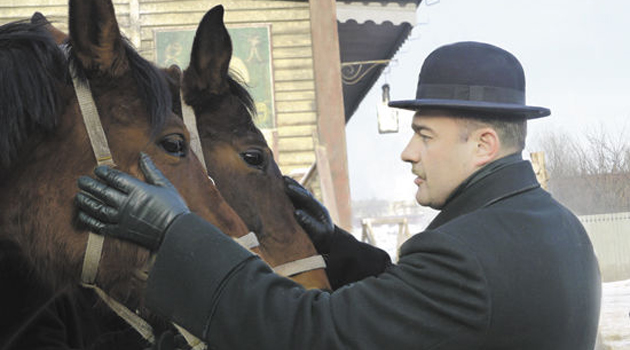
<point>503,266</point>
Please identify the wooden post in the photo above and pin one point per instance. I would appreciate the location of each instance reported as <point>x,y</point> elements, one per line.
<point>538,163</point>
<point>331,119</point>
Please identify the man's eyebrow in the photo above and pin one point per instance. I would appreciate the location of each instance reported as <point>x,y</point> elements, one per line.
<point>417,128</point>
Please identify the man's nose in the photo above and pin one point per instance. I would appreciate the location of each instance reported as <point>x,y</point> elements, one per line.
<point>410,153</point>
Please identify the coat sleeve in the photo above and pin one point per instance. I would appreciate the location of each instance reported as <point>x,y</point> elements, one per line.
<point>349,260</point>
<point>434,298</point>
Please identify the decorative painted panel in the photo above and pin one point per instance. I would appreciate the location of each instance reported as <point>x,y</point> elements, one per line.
<point>251,61</point>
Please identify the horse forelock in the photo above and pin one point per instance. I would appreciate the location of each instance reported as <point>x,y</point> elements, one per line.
<point>152,85</point>
<point>32,68</point>
<point>204,101</point>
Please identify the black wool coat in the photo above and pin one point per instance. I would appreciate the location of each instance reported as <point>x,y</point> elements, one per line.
<point>503,266</point>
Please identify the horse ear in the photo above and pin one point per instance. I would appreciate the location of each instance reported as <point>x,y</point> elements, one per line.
<point>96,38</point>
<point>57,34</point>
<point>174,74</point>
<point>211,54</point>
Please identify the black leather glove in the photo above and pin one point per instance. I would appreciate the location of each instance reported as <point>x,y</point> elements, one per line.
<point>312,215</point>
<point>125,207</point>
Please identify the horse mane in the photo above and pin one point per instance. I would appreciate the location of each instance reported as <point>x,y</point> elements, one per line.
<point>31,69</point>
<point>238,89</point>
<point>204,100</point>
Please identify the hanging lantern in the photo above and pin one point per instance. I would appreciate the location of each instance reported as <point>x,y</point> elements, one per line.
<point>387,117</point>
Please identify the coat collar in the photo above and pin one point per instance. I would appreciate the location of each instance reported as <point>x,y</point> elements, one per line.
<point>504,180</point>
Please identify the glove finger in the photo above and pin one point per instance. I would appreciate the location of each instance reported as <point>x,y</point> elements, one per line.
<point>117,179</point>
<point>300,197</point>
<point>290,181</point>
<point>101,191</point>
<point>310,223</point>
<point>153,175</point>
<point>96,208</point>
<point>91,223</point>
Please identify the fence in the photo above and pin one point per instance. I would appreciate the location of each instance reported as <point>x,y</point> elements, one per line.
<point>610,235</point>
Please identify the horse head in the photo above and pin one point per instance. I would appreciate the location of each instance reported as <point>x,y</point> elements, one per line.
<point>44,144</point>
<point>236,153</point>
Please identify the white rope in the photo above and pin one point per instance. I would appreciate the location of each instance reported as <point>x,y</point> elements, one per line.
<point>302,265</point>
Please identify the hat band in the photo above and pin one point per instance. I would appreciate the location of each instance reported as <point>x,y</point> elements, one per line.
<point>470,93</point>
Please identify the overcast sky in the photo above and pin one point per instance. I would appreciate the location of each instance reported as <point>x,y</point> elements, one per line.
<point>576,57</point>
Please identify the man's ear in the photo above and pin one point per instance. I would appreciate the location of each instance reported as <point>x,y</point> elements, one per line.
<point>488,146</point>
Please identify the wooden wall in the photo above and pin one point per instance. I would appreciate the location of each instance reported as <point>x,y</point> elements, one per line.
<point>296,112</point>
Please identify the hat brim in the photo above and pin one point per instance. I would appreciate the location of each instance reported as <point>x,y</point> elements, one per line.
<point>505,109</point>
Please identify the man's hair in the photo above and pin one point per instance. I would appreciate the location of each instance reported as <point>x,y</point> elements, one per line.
<point>512,131</point>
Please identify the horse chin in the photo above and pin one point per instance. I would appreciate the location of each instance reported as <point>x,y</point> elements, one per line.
<point>123,272</point>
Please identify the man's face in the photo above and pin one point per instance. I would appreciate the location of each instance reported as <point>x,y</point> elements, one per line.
<point>441,156</point>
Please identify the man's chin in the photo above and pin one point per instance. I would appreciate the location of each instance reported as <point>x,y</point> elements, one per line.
<point>426,202</point>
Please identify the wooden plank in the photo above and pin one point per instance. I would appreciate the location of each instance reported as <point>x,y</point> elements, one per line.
<point>292,27</point>
<point>296,130</point>
<point>8,14</point>
<point>296,118</point>
<point>234,6</point>
<point>295,106</point>
<point>293,63</point>
<point>289,85</point>
<point>293,74</point>
<point>293,52</point>
<point>249,16</point>
<point>292,144</point>
<point>295,95</point>
<point>291,40</point>
<point>296,158</point>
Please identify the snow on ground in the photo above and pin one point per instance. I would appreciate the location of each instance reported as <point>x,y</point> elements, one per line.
<point>614,323</point>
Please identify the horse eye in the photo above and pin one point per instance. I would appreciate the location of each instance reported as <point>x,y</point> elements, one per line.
<point>254,157</point>
<point>175,144</point>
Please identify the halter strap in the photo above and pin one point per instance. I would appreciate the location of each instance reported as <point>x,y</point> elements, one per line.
<point>191,123</point>
<point>299,266</point>
<point>103,156</point>
<point>249,241</point>
<point>94,248</point>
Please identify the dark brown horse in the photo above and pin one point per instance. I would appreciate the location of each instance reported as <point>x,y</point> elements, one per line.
<point>236,153</point>
<point>262,204</point>
<point>44,148</point>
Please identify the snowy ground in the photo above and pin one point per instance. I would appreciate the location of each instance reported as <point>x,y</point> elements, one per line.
<point>614,326</point>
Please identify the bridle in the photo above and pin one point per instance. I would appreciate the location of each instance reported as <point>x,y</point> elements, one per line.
<point>289,269</point>
<point>94,246</point>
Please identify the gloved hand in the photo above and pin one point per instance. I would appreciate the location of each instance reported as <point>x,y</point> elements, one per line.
<point>125,207</point>
<point>312,215</point>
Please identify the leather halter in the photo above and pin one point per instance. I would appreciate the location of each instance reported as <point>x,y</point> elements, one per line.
<point>94,246</point>
<point>289,269</point>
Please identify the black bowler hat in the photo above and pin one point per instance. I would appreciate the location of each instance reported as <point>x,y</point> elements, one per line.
<point>473,76</point>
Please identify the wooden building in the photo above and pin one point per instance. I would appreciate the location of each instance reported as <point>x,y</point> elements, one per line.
<point>301,48</point>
